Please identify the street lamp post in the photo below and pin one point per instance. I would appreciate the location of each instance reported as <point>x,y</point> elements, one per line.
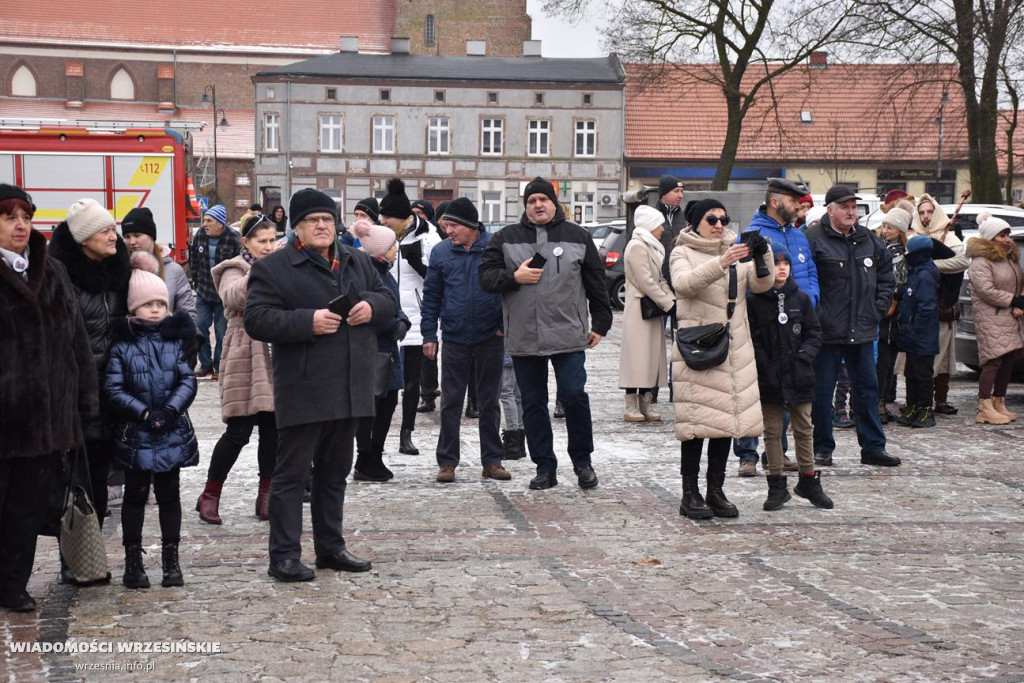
<point>223,122</point>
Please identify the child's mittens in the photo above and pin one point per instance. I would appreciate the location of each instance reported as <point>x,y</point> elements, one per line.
<point>159,419</point>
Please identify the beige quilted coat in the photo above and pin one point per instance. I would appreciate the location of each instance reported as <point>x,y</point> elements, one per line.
<point>246,374</point>
<point>995,280</point>
<point>723,401</point>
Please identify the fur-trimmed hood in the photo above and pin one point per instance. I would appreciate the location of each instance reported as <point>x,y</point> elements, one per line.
<point>90,276</point>
<point>978,247</point>
<point>176,326</point>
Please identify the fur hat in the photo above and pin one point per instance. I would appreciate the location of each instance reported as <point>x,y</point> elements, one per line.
<point>370,207</point>
<point>897,218</point>
<point>667,183</point>
<point>460,210</point>
<point>86,217</point>
<point>376,239</point>
<point>144,260</point>
<point>139,219</point>
<point>648,218</point>
<point>307,201</point>
<point>540,186</point>
<point>989,226</point>
<point>144,287</point>
<point>217,213</point>
<point>395,203</point>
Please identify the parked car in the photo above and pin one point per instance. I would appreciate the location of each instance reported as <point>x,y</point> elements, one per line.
<point>612,250</point>
<point>966,341</point>
<point>599,231</point>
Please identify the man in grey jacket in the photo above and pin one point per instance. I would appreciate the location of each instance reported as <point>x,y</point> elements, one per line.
<point>545,309</point>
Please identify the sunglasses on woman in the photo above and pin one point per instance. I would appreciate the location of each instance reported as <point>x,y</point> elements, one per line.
<point>713,220</point>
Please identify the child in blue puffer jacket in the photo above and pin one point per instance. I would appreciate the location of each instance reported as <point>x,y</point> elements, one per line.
<point>148,387</point>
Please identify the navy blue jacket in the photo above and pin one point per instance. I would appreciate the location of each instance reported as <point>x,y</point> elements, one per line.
<point>804,270</point>
<point>452,292</point>
<point>148,370</point>
<point>784,352</point>
<point>919,309</point>
<point>386,333</point>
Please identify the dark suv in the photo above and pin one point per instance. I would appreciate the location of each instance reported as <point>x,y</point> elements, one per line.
<point>612,250</point>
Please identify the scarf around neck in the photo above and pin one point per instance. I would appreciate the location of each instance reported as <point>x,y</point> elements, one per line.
<point>333,266</point>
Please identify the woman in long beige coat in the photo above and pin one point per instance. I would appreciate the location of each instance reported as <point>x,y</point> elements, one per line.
<point>996,285</point>
<point>642,362</point>
<point>246,378</point>
<point>723,402</point>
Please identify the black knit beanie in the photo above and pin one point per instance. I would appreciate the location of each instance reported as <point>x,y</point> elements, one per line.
<point>441,208</point>
<point>462,211</point>
<point>139,219</point>
<point>667,183</point>
<point>15,192</point>
<point>695,210</point>
<point>395,203</point>
<point>540,186</point>
<point>307,201</point>
<point>427,207</point>
<point>370,207</point>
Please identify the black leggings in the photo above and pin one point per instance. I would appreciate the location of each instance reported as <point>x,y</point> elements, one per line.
<point>234,439</point>
<point>99,453</point>
<point>412,367</point>
<point>718,455</point>
<point>133,507</point>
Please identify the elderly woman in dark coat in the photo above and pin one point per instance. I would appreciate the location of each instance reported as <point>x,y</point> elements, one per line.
<point>97,263</point>
<point>47,380</point>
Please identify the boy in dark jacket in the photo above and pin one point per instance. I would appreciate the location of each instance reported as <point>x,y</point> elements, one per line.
<point>919,331</point>
<point>787,337</point>
<point>148,387</point>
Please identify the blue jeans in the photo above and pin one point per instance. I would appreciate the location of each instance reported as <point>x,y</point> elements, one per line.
<point>860,364</point>
<point>571,379</point>
<point>210,314</point>
<point>746,448</point>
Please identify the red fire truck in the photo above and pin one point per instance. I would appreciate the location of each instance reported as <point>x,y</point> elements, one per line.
<point>120,165</point>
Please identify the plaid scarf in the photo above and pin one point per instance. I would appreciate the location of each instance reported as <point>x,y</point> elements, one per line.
<point>333,267</point>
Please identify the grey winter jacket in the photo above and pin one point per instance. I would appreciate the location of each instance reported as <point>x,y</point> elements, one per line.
<point>179,291</point>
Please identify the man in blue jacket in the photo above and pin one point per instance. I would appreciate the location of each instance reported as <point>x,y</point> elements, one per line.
<point>471,320</point>
<point>775,221</point>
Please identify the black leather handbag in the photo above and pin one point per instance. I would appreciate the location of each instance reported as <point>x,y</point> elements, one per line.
<point>649,309</point>
<point>707,346</point>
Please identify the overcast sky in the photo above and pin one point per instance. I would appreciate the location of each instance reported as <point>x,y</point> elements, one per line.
<point>559,38</point>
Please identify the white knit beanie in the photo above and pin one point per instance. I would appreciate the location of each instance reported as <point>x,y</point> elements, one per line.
<point>897,218</point>
<point>86,217</point>
<point>144,287</point>
<point>989,227</point>
<point>648,218</point>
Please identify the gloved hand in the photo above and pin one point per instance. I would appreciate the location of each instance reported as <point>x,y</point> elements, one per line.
<point>1018,302</point>
<point>401,329</point>
<point>160,419</point>
<point>758,246</point>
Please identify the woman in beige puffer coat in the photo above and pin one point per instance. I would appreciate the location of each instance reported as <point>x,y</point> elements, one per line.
<point>723,402</point>
<point>246,378</point>
<point>996,285</point>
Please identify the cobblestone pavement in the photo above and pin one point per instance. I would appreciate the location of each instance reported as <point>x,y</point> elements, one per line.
<point>915,575</point>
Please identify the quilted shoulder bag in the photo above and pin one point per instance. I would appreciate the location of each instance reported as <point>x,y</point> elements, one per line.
<point>707,346</point>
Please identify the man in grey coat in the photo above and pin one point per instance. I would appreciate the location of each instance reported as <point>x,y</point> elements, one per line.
<point>323,376</point>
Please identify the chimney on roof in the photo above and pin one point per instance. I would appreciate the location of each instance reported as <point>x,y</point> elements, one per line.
<point>476,48</point>
<point>818,60</point>
<point>350,43</point>
<point>531,48</point>
<point>399,46</point>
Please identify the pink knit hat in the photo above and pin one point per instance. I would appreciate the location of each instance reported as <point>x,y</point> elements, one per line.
<point>144,287</point>
<point>376,239</point>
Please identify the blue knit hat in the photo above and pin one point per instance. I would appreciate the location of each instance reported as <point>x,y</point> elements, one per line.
<point>780,251</point>
<point>919,243</point>
<point>217,213</point>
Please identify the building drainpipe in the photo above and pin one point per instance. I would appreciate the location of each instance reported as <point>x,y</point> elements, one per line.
<point>288,142</point>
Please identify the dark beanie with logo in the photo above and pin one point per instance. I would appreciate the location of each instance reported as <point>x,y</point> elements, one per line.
<point>307,201</point>
<point>667,183</point>
<point>395,203</point>
<point>139,219</point>
<point>540,186</point>
<point>462,211</point>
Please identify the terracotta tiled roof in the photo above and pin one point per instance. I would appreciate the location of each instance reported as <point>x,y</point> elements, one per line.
<point>229,25</point>
<point>859,113</point>
<point>235,141</point>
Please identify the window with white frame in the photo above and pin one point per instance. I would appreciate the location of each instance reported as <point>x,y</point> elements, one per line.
<point>490,202</point>
<point>439,135</point>
<point>330,132</point>
<point>586,138</point>
<point>271,132</point>
<point>491,137</point>
<point>539,138</point>
<point>583,207</point>
<point>384,134</point>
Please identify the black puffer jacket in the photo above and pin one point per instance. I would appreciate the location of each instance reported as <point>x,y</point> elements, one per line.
<point>784,352</point>
<point>857,283</point>
<point>101,288</point>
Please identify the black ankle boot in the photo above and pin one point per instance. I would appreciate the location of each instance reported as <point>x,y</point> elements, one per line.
<point>472,409</point>
<point>134,572</point>
<point>809,487</point>
<point>716,499</point>
<point>692,504</point>
<point>510,445</point>
<point>172,570</point>
<point>405,443</point>
<point>778,494</point>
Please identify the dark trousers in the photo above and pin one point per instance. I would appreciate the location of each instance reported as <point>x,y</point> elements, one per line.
<point>920,383</point>
<point>718,455</point>
<point>860,364</point>
<point>327,447</point>
<point>412,367</point>
<point>995,376</point>
<point>373,431</point>
<point>25,486</point>
<point>428,378</point>
<point>235,438</point>
<point>99,453</point>
<point>167,487</point>
<point>887,352</point>
<point>487,358</point>
<point>571,380</point>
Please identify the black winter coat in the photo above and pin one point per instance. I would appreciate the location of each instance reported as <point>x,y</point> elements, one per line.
<point>47,375</point>
<point>784,352</point>
<point>324,377</point>
<point>148,370</point>
<point>102,291</point>
<point>856,279</point>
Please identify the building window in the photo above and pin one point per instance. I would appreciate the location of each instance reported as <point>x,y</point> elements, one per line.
<point>383,134</point>
<point>122,87</point>
<point>583,207</point>
<point>492,97</point>
<point>385,94</point>
<point>23,83</point>
<point>330,133</point>
<point>539,135</point>
<point>271,132</point>
<point>270,93</point>
<point>332,93</point>
<point>491,136</point>
<point>439,95</point>
<point>428,30</point>
<point>490,202</point>
<point>242,180</point>
<point>588,99</point>
<point>586,138</point>
<point>439,138</point>
<point>538,98</point>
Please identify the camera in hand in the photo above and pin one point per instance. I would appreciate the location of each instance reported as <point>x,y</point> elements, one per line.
<point>758,247</point>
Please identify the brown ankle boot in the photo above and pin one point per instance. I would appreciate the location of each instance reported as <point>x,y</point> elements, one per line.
<point>942,406</point>
<point>209,502</point>
<point>999,403</point>
<point>263,499</point>
<point>987,414</point>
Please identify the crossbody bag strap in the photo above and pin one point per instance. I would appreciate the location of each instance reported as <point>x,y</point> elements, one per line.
<point>732,291</point>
